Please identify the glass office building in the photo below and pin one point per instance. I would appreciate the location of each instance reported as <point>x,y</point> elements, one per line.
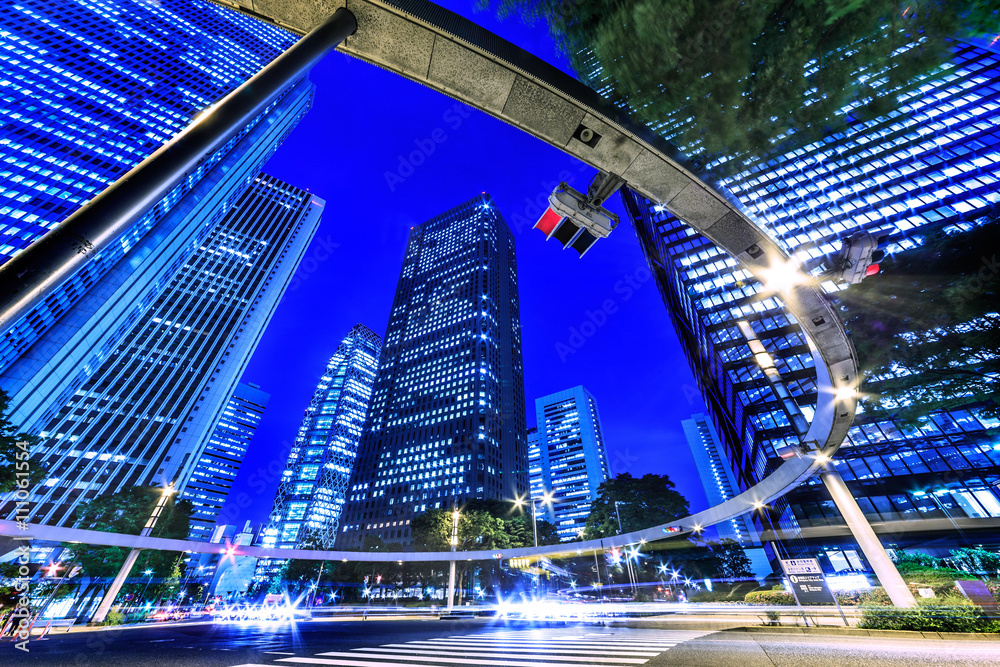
<point>89,89</point>
<point>572,459</point>
<point>313,487</point>
<point>717,476</point>
<point>218,465</point>
<point>933,163</point>
<point>537,488</point>
<point>447,420</point>
<point>146,413</point>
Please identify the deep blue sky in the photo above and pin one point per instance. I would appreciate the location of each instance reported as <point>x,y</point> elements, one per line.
<point>364,119</point>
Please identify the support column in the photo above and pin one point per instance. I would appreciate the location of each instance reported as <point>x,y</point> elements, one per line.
<point>870,545</point>
<point>116,585</point>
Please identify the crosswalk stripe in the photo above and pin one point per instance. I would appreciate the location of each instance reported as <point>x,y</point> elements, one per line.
<point>459,661</point>
<point>534,636</point>
<point>479,653</point>
<point>529,649</point>
<point>548,642</point>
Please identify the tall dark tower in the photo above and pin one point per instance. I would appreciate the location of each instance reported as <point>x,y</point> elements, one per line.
<point>447,419</point>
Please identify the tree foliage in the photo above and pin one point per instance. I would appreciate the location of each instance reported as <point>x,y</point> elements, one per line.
<point>927,328</point>
<point>14,457</point>
<point>127,512</point>
<point>483,524</point>
<point>732,78</point>
<point>643,502</point>
<point>977,560</point>
<point>733,561</point>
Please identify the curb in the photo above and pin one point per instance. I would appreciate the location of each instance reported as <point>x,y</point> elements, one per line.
<point>860,632</point>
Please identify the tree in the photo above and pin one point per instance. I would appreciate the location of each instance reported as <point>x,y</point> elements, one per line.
<point>648,501</point>
<point>733,561</point>
<point>15,450</point>
<point>977,560</point>
<point>483,525</point>
<point>127,512</point>
<point>733,78</point>
<point>926,327</point>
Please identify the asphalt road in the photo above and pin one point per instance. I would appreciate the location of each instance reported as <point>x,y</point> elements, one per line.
<point>433,643</point>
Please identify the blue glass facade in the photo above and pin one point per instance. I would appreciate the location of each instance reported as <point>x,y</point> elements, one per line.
<point>217,467</point>
<point>89,89</point>
<point>716,474</point>
<point>313,487</point>
<point>572,459</point>
<point>933,163</point>
<point>447,420</point>
<point>145,414</point>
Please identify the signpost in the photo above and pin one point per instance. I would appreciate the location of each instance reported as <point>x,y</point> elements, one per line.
<point>808,584</point>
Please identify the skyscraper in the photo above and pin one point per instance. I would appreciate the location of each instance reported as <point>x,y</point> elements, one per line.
<point>145,414</point>
<point>91,89</point>
<point>933,163</point>
<point>313,487</point>
<point>572,461</point>
<point>536,481</point>
<point>717,476</point>
<point>447,420</point>
<point>218,465</point>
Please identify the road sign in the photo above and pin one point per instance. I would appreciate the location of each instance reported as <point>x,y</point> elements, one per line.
<point>810,588</point>
<point>806,577</point>
<point>801,566</point>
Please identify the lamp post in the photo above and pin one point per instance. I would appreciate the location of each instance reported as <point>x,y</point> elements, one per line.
<point>628,564</point>
<point>455,516</point>
<point>546,498</point>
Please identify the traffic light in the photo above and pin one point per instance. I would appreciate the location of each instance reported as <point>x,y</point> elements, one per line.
<point>881,242</point>
<point>859,257</point>
<point>519,563</point>
<point>575,220</point>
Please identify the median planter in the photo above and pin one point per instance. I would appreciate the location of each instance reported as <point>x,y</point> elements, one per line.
<point>951,614</point>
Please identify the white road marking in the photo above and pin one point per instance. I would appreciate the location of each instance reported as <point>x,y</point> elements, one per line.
<point>457,661</point>
<point>516,648</point>
<point>481,654</point>
<point>529,648</point>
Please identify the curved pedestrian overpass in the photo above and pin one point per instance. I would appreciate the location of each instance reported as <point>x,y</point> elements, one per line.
<point>434,47</point>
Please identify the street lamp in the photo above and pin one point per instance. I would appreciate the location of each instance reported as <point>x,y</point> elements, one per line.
<point>546,498</point>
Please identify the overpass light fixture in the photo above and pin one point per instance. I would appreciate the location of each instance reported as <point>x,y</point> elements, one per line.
<point>845,393</point>
<point>783,275</point>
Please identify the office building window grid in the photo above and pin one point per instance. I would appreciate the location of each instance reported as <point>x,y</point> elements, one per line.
<point>935,162</point>
<point>89,90</point>
<point>313,488</point>
<point>571,461</point>
<point>716,475</point>
<point>119,427</point>
<point>447,420</point>
<point>217,467</point>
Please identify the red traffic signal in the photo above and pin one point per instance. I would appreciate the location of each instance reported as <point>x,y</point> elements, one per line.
<point>871,270</point>
<point>548,222</point>
<point>573,221</point>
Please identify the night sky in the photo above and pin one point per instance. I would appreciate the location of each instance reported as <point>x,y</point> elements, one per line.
<point>355,149</point>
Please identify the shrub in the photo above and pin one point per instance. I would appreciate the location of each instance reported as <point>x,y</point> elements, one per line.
<point>769,597</point>
<point>114,618</point>
<point>725,592</point>
<point>875,597</point>
<point>950,614</point>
